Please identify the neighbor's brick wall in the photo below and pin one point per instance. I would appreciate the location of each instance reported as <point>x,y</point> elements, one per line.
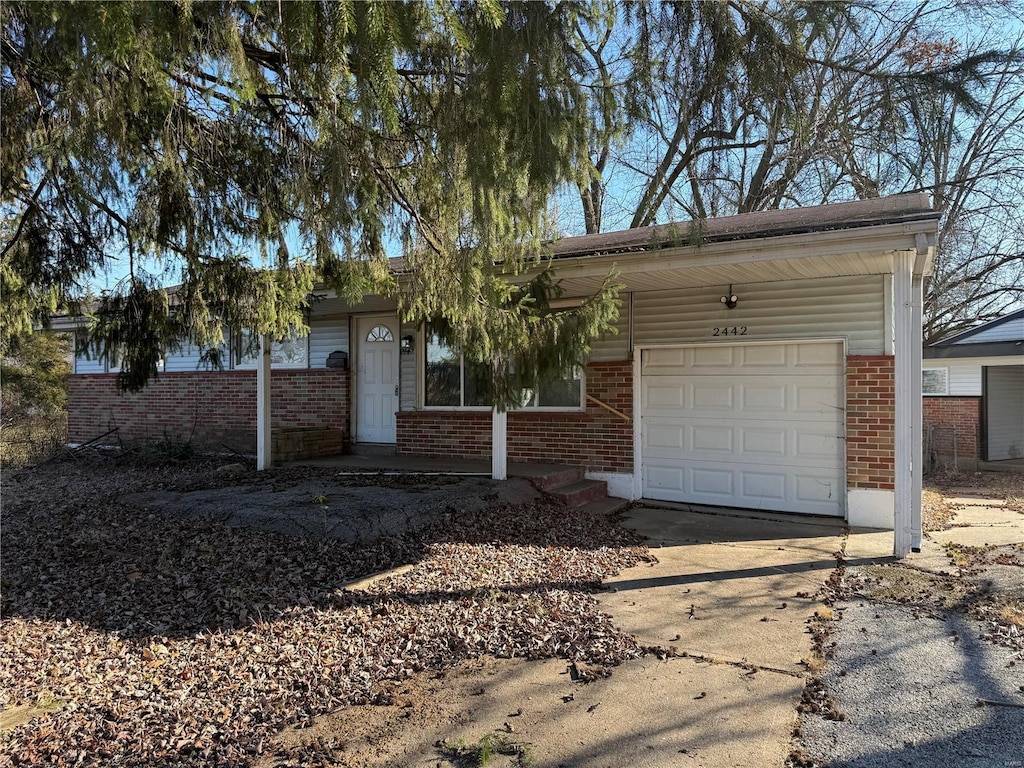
<point>595,439</point>
<point>946,417</point>
<point>210,408</point>
<point>870,421</point>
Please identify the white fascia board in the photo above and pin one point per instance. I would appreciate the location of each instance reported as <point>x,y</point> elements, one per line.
<point>888,238</point>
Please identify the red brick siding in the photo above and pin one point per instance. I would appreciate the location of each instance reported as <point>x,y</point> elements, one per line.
<point>210,408</point>
<point>943,415</point>
<point>595,439</point>
<point>870,421</point>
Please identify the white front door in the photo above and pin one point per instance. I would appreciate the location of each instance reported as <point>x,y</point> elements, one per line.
<point>758,426</point>
<point>377,382</point>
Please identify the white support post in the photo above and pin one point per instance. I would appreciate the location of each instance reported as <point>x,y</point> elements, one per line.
<point>263,458</point>
<point>905,339</point>
<point>499,444</point>
<point>917,427</point>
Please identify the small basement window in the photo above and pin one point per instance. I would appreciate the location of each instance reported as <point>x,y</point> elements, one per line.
<point>935,381</point>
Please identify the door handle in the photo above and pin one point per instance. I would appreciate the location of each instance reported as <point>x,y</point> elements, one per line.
<point>396,390</point>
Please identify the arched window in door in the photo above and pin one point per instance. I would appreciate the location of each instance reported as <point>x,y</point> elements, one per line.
<point>380,333</point>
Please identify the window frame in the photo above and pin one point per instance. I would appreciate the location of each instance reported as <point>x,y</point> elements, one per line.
<point>422,389</point>
<point>945,381</point>
<point>238,362</point>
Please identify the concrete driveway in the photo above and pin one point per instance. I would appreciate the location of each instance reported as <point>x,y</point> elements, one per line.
<point>730,599</point>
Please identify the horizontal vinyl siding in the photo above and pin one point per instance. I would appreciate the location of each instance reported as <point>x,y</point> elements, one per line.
<point>185,359</point>
<point>964,379</point>
<point>407,371</point>
<point>843,307</point>
<point>85,365</point>
<point>326,336</point>
<point>1004,396</point>
<point>611,347</point>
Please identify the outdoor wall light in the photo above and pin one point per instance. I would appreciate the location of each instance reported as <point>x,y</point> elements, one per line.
<point>730,300</point>
<point>407,345</point>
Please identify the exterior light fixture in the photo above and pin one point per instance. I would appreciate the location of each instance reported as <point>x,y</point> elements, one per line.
<point>407,345</point>
<point>730,300</point>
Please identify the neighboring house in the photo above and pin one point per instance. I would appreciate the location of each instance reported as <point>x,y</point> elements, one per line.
<point>973,385</point>
<point>767,360</point>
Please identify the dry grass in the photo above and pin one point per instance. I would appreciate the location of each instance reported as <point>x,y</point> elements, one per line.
<point>1013,615</point>
<point>28,443</point>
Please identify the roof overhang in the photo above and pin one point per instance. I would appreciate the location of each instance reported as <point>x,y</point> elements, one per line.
<point>987,349</point>
<point>868,250</point>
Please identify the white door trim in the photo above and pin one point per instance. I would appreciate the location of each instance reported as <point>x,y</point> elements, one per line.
<point>356,345</point>
<point>639,481</point>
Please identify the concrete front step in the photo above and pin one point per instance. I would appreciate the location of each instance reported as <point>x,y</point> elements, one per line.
<point>548,477</point>
<point>580,492</point>
<point>604,507</point>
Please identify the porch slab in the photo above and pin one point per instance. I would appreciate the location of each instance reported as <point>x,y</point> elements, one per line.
<point>374,462</point>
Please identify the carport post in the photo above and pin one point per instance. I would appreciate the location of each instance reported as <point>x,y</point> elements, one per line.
<point>263,457</point>
<point>905,338</point>
<point>499,444</point>
<point>916,396</point>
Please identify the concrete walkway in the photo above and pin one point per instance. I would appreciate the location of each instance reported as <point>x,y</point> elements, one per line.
<point>730,597</point>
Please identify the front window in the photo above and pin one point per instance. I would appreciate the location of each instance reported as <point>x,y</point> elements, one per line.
<point>453,382</point>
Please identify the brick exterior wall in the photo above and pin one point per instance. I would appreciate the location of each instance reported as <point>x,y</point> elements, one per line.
<point>595,439</point>
<point>946,418</point>
<point>210,408</point>
<point>870,421</point>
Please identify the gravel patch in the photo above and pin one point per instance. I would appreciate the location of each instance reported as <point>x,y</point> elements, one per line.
<point>909,682</point>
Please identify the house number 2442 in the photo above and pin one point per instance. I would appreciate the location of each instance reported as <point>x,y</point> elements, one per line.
<point>736,330</point>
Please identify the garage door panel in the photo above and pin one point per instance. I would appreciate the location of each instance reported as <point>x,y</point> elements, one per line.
<point>819,397</point>
<point>665,479</point>
<point>711,356</point>
<point>755,399</point>
<point>712,482</point>
<point>711,438</point>
<point>762,443</point>
<point>815,488</point>
<point>666,437</point>
<point>762,355</point>
<point>763,486</point>
<point>708,394</point>
<point>750,425</point>
<point>665,395</point>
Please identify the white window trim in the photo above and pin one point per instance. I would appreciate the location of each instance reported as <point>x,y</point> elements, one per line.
<point>945,381</point>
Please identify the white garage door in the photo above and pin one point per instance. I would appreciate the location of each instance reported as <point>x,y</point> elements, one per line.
<point>758,426</point>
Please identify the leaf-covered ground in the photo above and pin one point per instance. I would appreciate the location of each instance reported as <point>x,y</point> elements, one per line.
<point>153,639</point>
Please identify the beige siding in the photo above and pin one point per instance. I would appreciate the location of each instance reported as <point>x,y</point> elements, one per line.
<point>407,371</point>
<point>326,336</point>
<point>842,307</point>
<point>613,346</point>
<point>85,365</point>
<point>964,377</point>
<point>185,359</point>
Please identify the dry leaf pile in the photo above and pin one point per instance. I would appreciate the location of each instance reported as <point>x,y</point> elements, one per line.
<point>157,640</point>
